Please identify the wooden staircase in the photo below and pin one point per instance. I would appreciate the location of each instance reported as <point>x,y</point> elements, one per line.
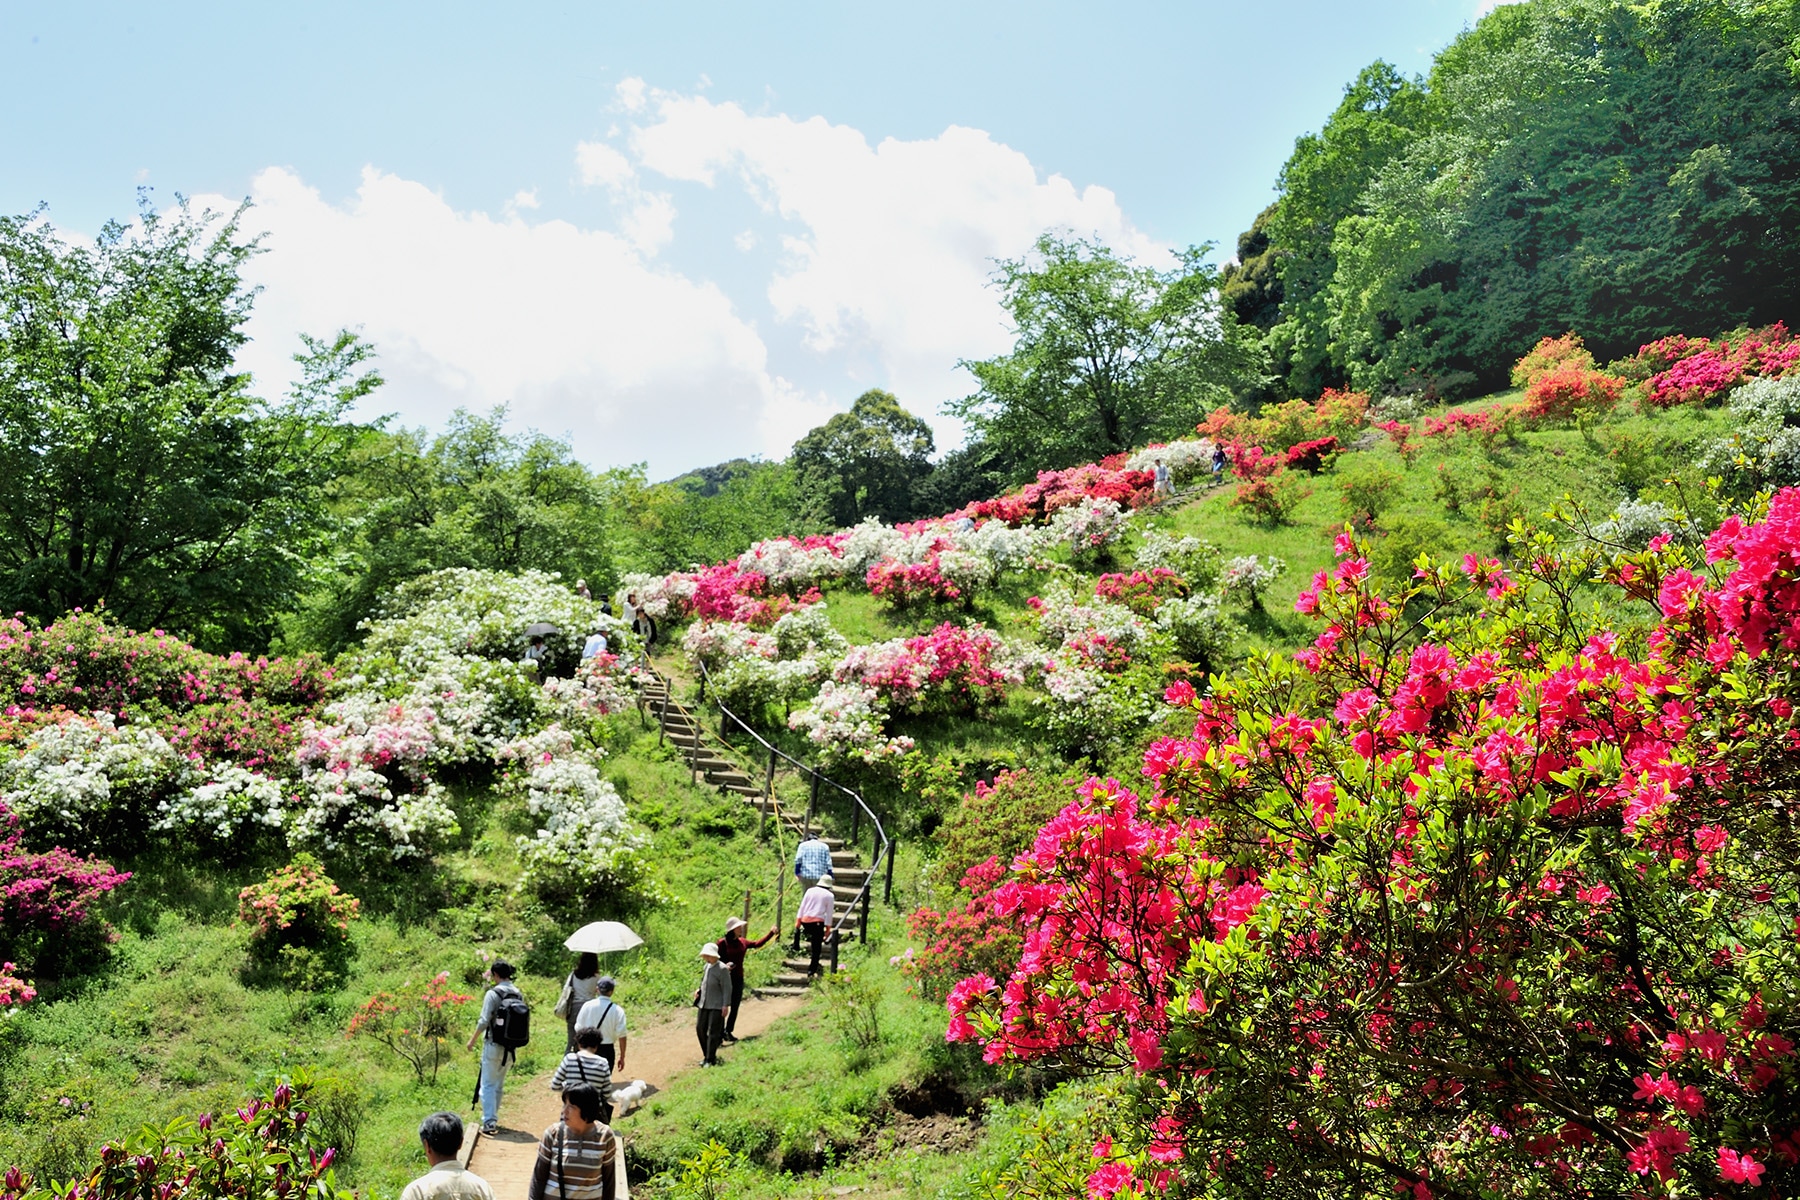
<point>716,763</point>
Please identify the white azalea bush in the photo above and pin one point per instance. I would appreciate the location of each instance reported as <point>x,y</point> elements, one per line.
<point>463,612</point>
<point>1203,632</point>
<point>847,722</point>
<point>791,566</point>
<point>1087,524</point>
<point>1248,576</point>
<point>1195,560</point>
<point>584,855</point>
<point>1185,459</point>
<point>72,779</point>
<point>663,597</point>
<point>229,804</point>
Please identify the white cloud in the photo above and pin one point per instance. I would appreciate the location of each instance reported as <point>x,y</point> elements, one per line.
<point>889,247</point>
<point>882,280</point>
<point>571,327</point>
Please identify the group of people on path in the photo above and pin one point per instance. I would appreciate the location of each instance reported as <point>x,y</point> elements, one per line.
<point>579,1158</point>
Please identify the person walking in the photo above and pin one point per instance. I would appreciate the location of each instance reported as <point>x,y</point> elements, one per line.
<point>602,1014</point>
<point>498,1010</point>
<point>595,645</point>
<point>582,985</point>
<point>442,1136</point>
<point>733,949</point>
<point>579,1157</point>
<point>1163,480</point>
<point>812,858</point>
<point>584,1064</point>
<point>712,999</point>
<point>1218,460</point>
<point>817,908</point>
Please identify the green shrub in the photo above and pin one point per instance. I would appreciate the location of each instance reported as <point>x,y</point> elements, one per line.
<point>299,924</point>
<point>1368,492</point>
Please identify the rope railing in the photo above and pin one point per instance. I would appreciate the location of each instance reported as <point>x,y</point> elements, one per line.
<point>882,847</point>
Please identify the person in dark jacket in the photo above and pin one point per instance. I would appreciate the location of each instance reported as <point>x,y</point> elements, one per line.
<point>732,950</point>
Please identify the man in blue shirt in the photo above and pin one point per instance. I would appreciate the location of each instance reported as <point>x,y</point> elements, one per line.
<point>812,858</point>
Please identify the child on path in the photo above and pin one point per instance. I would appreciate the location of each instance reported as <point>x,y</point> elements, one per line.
<point>585,1065</point>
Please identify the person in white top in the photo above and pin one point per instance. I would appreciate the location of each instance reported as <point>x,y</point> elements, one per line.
<point>817,907</point>
<point>442,1136</point>
<point>602,1014</point>
<point>595,646</point>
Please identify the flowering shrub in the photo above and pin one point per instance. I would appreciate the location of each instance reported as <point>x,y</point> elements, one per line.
<point>1552,355</point>
<point>967,937</point>
<point>452,614</point>
<point>1698,371</point>
<point>904,584</point>
<point>268,1149</point>
<point>47,918</point>
<point>1763,449</point>
<point>1201,630</point>
<point>601,686</point>
<point>1400,434</point>
<point>1335,414</point>
<point>1186,460</point>
<point>846,722</point>
<point>414,1022</point>
<point>1196,561</point>
<point>663,597</point>
<point>1695,379</point>
<point>713,644</point>
<point>958,667</point>
<point>1504,915</point>
<point>1087,524</point>
<point>1484,425</point>
<point>584,854</point>
<point>229,804</point>
<point>79,779</point>
<point>1141,591</point>
<point>1312,456</point>
<point>1248,576</point>
<point>1569,391</point>
<point>15,993</point>
<point>297,907</point>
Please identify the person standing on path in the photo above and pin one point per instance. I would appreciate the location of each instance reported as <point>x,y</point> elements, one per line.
<point>579,1157</point>
<point>712,999</point>
<point>442,1136</point>
<point>1163,480</point>
<point>732,951</point>
<point>584,1064</point>
<point>495,1058</point>
<point>582,985</point>
<point>602,1014</point>
<point>817,908</point>
<point>812,858</point>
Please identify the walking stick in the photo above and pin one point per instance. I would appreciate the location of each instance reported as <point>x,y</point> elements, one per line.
<point>475,1096</point>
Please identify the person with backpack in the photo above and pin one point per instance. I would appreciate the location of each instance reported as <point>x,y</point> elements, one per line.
<point>579,1157</point>
<point>505,1025</point>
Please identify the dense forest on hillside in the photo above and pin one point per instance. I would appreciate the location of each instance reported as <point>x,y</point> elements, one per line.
<point>1329,731</point>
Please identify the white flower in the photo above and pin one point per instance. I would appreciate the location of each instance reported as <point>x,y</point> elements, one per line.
<point>1185,459</point>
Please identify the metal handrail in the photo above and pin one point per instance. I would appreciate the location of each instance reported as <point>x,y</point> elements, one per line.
<point>883,845</point>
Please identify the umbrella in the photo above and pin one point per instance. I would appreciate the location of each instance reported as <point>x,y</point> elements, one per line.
<point>598,937</point>
<point>541,629</point>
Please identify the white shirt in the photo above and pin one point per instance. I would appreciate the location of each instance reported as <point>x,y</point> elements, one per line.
<point>596,646</point>
<point>596,1014</point>
<point>448,1181</point>
<point>817,905</point>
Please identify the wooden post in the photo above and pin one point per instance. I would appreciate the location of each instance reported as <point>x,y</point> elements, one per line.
<point>887,895</point>
<point>862,933</point>
<point>746,910</point>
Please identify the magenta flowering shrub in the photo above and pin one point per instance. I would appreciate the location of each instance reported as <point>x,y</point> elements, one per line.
<point>1143,592</point>
<point>267,1149</point>
<point>1502,905</point>
<point>955,667</point>
<point>903,584</point>
<point>48,905</point>
<point>1698,371</point>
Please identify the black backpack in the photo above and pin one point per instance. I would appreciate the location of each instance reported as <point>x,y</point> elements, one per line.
<point>511,1026</point>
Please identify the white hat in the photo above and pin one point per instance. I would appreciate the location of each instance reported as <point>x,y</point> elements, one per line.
<point>734,924</point>
<point>826,881</point>
<point>710,950</point>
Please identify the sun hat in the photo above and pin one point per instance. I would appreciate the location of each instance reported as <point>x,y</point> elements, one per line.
<point>710,950</point>
<point>734,924</point>
<point>826,881</point>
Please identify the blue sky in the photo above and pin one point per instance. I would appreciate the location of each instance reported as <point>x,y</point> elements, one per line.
<point>674,233</point>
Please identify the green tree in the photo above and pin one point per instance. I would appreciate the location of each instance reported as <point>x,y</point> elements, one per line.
<point>137,469</point>
<point>473,496</point>
<point>866,462</point>
<point>1251,284</point>
<point>710,515</point>
<point>1108,354</point>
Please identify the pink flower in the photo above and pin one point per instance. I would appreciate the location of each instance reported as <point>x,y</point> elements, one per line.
<point>1739,1168</point>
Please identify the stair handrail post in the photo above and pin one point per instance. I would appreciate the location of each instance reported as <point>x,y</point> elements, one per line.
<point>834,951</point>
<point>887,894</point>
<point>855,824</point>
<point>862,931</point>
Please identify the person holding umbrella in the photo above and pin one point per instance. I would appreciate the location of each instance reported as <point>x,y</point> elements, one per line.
<point>582,985</point>
<point>603,937</point>
<point>733,949</point>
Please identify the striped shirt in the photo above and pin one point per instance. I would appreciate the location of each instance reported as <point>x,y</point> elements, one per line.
<point>576,1166</point>
<point>582,1068</point>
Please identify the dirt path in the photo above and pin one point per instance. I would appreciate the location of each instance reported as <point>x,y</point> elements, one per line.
<point>657,1054</point>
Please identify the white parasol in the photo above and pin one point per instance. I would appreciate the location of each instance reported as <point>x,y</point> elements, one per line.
<point>600,937</point>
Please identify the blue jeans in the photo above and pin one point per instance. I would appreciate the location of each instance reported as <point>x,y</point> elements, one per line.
<point>493,1078</point>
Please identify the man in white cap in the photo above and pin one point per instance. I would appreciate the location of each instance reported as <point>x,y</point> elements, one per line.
<point>713,997</point>
<point>733,948</point>
<point>817,908</point>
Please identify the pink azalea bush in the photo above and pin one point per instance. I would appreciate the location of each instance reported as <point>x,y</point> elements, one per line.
<point>1696,371</point>
<point>1504,905</point>
<point>48,905</point>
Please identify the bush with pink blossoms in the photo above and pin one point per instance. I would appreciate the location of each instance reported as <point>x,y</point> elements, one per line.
<point>954,667</point>
<point>1141,591</point>
<point>846,722</point>
<point>49,923</point>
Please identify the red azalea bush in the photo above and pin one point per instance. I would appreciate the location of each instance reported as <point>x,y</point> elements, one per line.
<point>905,584</point>
<point>1400,433</point>
<point>269,1149</point>
<point>1565,392</point>
<point>1550,355</point>
<point>972,936</point>
<point>1312,456</point>
<point>49,923</point>
<point>1141,591</point>
<point>1334,414</point>
<point>954,667</point>
<point>298,906</point>
<point>1033,504</point>
<point>1501,902</point>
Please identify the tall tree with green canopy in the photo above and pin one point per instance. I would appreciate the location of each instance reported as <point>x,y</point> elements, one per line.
<point>865,462</point>
<point>137,469</point>
<point>1108,354</point>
